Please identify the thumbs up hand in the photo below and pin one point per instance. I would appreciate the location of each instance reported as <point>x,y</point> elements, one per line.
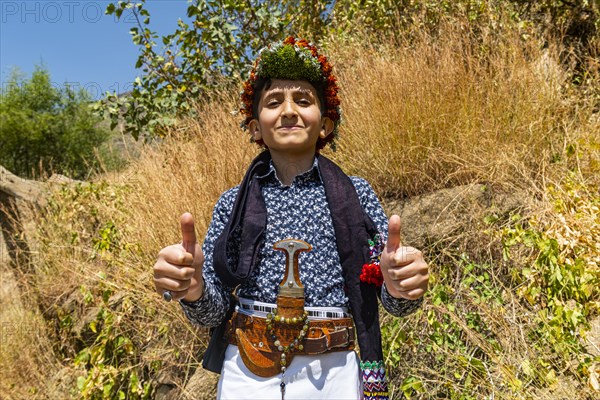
<point>405,273</point>
<point>178,268</point>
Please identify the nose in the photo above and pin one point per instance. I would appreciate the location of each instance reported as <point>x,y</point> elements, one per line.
<point>289,108</point>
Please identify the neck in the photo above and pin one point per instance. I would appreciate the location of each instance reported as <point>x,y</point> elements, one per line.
<point>289,166</point>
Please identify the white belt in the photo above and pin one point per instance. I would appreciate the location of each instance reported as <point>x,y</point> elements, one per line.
<point>260,309</point>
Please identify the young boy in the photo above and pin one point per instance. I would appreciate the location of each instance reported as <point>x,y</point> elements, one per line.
<point>302,246</point>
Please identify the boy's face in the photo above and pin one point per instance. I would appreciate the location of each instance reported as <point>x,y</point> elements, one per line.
<point>289,118</point>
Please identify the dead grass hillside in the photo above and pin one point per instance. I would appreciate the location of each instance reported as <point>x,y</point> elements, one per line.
<point>419,116</point>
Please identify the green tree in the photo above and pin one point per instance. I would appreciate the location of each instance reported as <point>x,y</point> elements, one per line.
<point>45,129</point>
<point>214,46</point>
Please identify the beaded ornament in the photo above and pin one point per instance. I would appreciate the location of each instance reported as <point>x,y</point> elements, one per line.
<point>371,272</point>
<point>297,344</point>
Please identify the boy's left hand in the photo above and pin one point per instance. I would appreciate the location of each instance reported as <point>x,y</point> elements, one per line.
<point>404,271</point>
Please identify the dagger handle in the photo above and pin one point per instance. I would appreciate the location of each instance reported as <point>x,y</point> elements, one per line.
<point>291,285</point>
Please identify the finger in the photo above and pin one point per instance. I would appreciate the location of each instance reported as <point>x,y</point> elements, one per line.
<point>176,295</point>
<point>404,272</point>
<point>179,295</point>
<point>199,256</point>
<point>174,285</point>
<point>173,271</point>
<point>414,294</point>
<point>178,257</point>
<point>412,283</point>
<point>406,256</point>
<point>188,232</point>
<point>393,242</point>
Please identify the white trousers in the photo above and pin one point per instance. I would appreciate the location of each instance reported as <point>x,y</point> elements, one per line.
<point>334,375</point>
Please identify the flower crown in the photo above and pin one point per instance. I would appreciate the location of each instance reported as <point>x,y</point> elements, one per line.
<point>295,59</point>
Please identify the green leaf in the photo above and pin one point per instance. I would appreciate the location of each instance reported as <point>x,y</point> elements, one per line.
<point>81,383</point>
<point>107,389</point>
<point>82,357</point>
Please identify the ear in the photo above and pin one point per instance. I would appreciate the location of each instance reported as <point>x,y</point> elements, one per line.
<point>326,127</point>
<point>255,129</point>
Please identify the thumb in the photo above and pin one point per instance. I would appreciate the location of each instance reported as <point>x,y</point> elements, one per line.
<point>188,232</point>
<point>393,242</point>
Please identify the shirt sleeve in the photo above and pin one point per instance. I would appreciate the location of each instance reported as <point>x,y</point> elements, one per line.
<point>370,203</point>
<point>210,309</point>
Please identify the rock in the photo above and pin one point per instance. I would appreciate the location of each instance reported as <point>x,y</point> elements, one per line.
<point>168,383</point>
<point>17,196</point>
<point>20,188</point>
<point>3,252</point>
<point>166,392</point>
<point>116,299</point>
<point>82,329</point>
<point>73,303</point>
<point>62,179</point>
<point>439,216</point>
<point>63,381</point>
<point>18,199</point>
<point>549,69</point>
<point>201,386</point>
<point>592,340</point>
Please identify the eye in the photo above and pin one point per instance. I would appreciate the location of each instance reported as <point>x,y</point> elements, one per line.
<point>273,103</point>
<point>304,102</point>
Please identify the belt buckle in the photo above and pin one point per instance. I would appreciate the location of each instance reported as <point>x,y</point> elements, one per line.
<point>347,331</point>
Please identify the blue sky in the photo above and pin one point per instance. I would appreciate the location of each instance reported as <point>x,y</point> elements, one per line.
<point>76,42</point>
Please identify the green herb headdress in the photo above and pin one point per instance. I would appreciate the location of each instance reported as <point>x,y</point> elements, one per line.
<point>295,59</point>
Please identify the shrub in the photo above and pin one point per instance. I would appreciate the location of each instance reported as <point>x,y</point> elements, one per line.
<point>44,129</point>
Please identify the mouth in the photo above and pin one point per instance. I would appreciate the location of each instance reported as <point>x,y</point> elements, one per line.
<point>290,127</point>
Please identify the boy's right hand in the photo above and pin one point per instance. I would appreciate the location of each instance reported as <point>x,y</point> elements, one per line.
<point>179,266</point>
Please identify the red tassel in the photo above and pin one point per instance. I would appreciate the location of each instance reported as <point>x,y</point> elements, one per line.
<point>371,274</point>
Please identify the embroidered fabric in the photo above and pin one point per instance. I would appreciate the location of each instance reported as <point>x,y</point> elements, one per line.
<point>374,381</point>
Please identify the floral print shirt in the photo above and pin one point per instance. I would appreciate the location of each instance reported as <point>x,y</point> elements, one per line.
<point>296,211</point>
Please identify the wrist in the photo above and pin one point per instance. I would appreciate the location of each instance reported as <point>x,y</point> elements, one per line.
<point>195,293</point>
<point>388,284</point>
<point>390,290</point>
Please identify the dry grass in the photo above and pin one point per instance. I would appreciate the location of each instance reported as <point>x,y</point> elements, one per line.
<point>418,116</point>
<point>189,175</point>
<point>143,203</point>
<point>26,358</point>
<point>429,114</point>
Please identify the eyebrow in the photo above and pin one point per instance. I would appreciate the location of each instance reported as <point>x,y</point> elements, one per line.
<point>298,90</point>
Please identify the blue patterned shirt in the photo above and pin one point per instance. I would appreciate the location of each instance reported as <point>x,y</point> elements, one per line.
<point>297,211</point>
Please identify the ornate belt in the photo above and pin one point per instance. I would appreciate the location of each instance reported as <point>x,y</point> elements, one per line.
<point>321,336</point>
